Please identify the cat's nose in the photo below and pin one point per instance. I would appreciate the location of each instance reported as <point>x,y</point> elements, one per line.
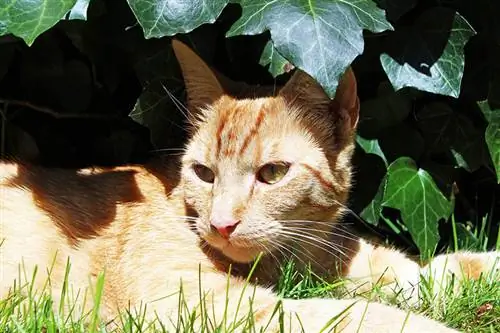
<point>224,228</point>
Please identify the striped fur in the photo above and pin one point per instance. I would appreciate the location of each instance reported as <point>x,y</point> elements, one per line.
<point>149,226</point>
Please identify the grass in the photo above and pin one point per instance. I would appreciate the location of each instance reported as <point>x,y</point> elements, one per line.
<point>475,308</point>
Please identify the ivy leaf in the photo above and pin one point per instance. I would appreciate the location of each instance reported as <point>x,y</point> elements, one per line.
<point>158,107</point>
<point>389,108</point>
<point>371,146</point>
<point>371,213</point>
<point>28,19</point>
<point>447,130</point>
<point>79,10</point>
<point>430,56</point>
<point>421,203</point>
<point>277,63</point>
<point>492,134</point>
<point>401,140</point>
<point>161,18</point>
<point>322,37</point>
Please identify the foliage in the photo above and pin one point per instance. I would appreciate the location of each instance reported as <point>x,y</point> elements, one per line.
<point>95,82</point>
<point>476,309</point>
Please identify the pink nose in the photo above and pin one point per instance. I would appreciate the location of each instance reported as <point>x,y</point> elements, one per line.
<point>224,228</point>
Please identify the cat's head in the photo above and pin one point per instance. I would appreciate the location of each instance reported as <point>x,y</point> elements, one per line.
<point>265,173</point>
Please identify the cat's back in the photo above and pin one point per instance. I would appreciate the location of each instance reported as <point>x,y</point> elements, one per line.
<point>92,215</point>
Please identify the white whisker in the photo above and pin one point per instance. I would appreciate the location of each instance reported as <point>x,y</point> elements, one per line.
<point>316,242</point>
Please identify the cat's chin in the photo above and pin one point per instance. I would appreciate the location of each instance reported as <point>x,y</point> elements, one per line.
<point>236,253</point>
<point>241,255</point>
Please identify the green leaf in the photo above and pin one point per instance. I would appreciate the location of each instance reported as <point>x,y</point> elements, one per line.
<point>158,107</point>
<point>447,130</point>
<point>389,108</point>
<point>321,37</point>
<point>371,213</point>
<point>159,18</point>
<point>371,146</point>
<point>492,134</point>
<point>277,63</point>
<point>28,19</point>
<point>401,140</point>
<point>79,10</point>
<point>156,110</point>
<point>430,57</point>
<point>421,203</point>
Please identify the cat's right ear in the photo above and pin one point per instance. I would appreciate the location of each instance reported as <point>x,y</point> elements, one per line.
<point>202,85</point>
<point>306,90</point>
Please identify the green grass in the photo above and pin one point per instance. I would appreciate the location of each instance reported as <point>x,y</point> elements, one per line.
<point>475,308</point>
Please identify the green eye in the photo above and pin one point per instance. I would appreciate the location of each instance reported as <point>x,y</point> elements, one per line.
<point>272,173</point>
<point>204,173</point>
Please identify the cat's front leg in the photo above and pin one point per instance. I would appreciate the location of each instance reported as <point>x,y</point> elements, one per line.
<point>359,316</point>
<point>384,269</point>
<point>230,304</point>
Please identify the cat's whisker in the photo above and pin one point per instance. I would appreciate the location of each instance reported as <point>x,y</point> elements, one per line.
<point>316,241</point>
<point>183,217</point>
<point>331,251</point>
<point>306,233</point>
<point>179,105</point>
<point>168,149</point>
<point>327,232</point>
<point>313,241</point>
<point>348,210</point>
<point>331,244</point>
<point>333,226</point>
<point>282,248</point>
<point>330,232</point>
<point>309,258</point>
<point>268,250</point>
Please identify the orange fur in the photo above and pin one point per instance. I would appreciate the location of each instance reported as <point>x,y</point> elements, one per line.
<point>148,227</point>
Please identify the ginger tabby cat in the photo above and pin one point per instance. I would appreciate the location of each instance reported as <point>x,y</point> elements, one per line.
<point>264,175</point>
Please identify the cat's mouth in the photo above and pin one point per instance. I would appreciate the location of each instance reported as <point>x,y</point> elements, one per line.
<point>239,252</point>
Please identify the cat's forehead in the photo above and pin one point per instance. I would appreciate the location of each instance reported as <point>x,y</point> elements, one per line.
<point>239,112</point>
<point>250,131</point>
<point>242,119</point>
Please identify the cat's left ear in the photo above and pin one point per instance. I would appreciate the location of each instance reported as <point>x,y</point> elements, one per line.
<point>304,90</point>
<point>202,86</point>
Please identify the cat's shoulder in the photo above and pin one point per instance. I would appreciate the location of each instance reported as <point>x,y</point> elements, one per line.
<point>20,174</point>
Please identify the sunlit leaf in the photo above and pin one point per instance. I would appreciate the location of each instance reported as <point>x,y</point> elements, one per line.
<point>421,203</point>
<point>161,18</point>
<point>492,134</point>
<point>321,37</point>
<point>28,19</point>
<point>430,57</point>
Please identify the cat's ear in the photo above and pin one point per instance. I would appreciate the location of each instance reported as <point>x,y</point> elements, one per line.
<point>302,88</point>
<point>346,97</point>
<point>202,86</point>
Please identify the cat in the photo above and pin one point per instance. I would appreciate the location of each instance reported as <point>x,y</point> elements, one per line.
<point>260,180</point>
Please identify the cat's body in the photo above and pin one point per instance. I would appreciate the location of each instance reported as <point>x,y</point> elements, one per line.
<point>263,175</point>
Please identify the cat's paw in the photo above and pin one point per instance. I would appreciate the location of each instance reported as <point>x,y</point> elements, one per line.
<point>446,272</point>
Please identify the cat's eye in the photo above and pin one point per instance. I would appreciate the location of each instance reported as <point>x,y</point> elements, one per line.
<point>204,173</point>
<point>272,173</point>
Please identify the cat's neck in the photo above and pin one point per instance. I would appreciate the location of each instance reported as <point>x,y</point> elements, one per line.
<point>329,262</point>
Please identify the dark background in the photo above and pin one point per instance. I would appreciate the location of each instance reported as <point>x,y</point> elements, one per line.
<point>66,101</point>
